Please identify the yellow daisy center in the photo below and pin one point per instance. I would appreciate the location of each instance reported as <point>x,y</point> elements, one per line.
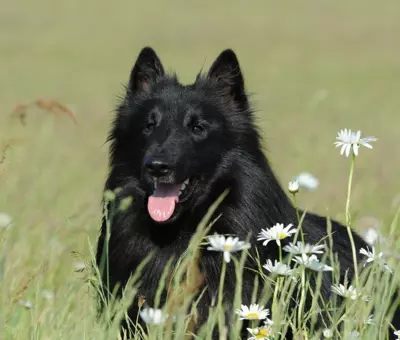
<point>265,332</point>
<point>252,315</point>
<point>227,246</point>
<point>281,235</point>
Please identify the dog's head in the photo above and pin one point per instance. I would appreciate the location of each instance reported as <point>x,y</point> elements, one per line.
<point>177,140</point>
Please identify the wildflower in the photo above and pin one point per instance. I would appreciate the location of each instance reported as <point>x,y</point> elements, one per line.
<point>254,312</point>
<point>26,304</point>
<point>153,316</point>
<point>307,181</point>
<point>264,332</point>
<point>312,263</point>
<point>371,236</point>
<point>349,140</point>
<point>226,245</point>
<point>353,335</point>
<point>369,320</point>
<point>327,333</point>
<point>369,228</point>
<point>277,233</point>
<point>278,268</point>
<point>397,333</point>
<point>371,256</point>
<point>5,221</point>
<point>304,248</point>
<point>293,187</point>
<point>350,292</point>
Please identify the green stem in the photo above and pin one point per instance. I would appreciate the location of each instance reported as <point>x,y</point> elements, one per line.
<point>302,298</point>
<point>298,217</point>
<point>275,302</point>
<point>348,215</point>
<point>348,219</point>
<point>278,280</point>
<point>221,311</point>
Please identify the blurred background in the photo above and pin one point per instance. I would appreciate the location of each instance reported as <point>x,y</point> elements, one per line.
<point>312,67</point>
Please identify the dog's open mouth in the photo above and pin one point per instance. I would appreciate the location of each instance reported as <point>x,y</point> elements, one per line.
<point>161,204</point>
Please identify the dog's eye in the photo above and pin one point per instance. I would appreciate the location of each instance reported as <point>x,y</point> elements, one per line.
<point>149,127</point>
<point>197,129</point>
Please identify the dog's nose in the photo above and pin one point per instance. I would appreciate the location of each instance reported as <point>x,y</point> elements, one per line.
<point>158,168</point>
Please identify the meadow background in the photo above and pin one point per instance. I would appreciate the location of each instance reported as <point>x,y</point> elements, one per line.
<point>313,68</point>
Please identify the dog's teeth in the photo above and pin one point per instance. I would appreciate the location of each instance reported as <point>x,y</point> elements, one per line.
<point>186,181</point>
<point>155,185</point>
<point>183,186</point>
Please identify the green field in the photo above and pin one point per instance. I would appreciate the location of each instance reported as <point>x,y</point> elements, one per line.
<point>313,68</point>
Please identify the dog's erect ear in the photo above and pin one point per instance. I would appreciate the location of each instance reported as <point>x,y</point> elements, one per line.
<point>226,71</point>
<point>147,70</point>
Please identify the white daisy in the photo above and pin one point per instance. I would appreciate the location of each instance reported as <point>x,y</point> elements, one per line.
<point>327,333</point>
<point>264,332</point>
<point>353,335</point>
<point>254,312</point>
<point>153,316</point>
<point>26,304</point>
<point>370,236</point>
<point>277,233</point>
<point>307,181</point>
<point>369,228</point>
<point>369,320</point>
<point>293,187</point>
<point>304,248</point>
<point>397,333</point>
<point>226,245</point>
<point>312,263</point>
<point>373,257</point>
<point>278,268</point>
<point>349,140</point>
<point>350,292</point>
<point>5,221</point>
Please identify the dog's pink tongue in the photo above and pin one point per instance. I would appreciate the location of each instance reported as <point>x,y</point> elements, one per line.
<point>161,204</point>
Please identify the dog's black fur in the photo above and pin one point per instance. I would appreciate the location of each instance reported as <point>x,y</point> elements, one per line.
<point>167,132</point>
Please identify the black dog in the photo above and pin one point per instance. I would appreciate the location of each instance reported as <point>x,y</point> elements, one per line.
<point>175,149</point>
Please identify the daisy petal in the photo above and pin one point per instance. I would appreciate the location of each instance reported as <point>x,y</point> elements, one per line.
<point>348,148</point>
<point>227,256</point>
<point>355,149</point>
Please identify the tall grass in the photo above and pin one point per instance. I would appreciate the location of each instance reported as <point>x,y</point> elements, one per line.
<point>72,311</point>
<point>366,315</point>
